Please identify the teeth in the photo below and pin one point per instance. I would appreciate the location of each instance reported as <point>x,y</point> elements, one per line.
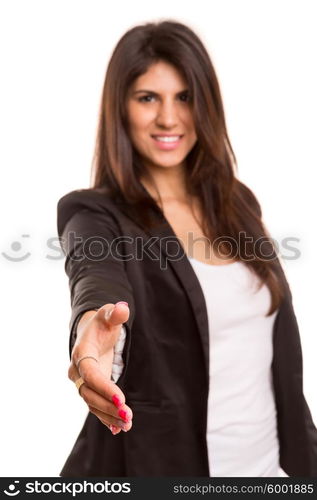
<point>162,138</point>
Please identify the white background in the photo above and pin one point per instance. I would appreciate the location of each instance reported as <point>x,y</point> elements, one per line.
<point>53,60</point>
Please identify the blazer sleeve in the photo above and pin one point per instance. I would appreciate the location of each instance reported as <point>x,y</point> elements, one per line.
<point>297,430</point>
<point>89,237</point>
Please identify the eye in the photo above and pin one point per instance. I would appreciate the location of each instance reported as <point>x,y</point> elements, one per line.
<point>146,98</point>
<point>184,97</point>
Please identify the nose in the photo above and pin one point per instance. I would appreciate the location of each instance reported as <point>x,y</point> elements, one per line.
<point>166,115</point>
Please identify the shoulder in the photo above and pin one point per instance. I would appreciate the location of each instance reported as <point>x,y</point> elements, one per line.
<point>96,199</point>
<point>91,201</point>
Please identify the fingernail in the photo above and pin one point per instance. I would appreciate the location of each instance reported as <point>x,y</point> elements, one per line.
<point>114,429</point>
<point>122,302</point>
<point>116,400</point>
<point>124,415</point>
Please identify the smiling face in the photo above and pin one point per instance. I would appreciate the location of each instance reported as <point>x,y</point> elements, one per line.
<point>160,117</point>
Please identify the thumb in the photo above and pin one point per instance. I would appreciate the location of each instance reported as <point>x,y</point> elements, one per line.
<point>116,314</point>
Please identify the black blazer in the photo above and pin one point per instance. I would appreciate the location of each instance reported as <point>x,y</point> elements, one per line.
<point>166,354</point>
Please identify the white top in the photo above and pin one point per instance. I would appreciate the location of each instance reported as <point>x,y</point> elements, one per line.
<point>241,429</point>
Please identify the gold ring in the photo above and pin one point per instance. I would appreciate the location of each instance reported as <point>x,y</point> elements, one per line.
<point>79,382</point>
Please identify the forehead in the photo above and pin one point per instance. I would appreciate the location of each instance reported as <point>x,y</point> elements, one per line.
<point>160,76</point>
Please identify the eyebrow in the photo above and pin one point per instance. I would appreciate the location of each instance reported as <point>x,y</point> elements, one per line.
<point>146,91</point>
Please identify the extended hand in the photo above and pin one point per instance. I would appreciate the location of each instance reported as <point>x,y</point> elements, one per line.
<point>96,337</point>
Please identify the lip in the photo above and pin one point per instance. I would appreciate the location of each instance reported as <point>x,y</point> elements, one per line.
<point>167,135</point>
<point>167,146</point>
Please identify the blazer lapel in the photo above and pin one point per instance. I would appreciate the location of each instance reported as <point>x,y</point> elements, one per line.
<point>173,256</point>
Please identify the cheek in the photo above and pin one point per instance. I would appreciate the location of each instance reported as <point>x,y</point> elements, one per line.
<point>191,131</point>
<point>138,132</point>
<point>188,121</point>
<point>139,119</point>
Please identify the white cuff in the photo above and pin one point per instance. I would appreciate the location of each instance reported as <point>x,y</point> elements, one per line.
<point>118,365</point>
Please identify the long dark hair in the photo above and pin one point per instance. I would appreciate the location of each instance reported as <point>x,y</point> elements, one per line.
<point>230,208</point>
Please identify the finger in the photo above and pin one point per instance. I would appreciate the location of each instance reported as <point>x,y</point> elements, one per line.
<point>110,420</point>
<point>83,351</point>
<point>101,388</point>
<point>95,379</point>
<point>94,398</point>
<point>115,430</point>
<point>114,314</point>
<point>73,373</point>
<point>96,401</point>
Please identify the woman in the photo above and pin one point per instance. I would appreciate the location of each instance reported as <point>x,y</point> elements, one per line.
<point>184,343</point>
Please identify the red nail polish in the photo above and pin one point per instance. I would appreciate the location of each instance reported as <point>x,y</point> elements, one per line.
<point>116,400</point>
<point>122,302</point>
<point>123,414</point>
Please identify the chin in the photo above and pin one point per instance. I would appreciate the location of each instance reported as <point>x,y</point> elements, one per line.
<point>167,163</point>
